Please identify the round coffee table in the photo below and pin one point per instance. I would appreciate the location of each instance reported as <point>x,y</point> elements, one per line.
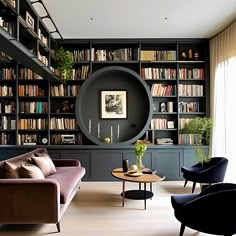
<point>140,194</point>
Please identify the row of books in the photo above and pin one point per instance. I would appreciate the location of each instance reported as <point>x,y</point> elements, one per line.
<point>7,123</point>
<point>33,107</point>
<point>194,73</point>
<point>158,73</point>
<point>158,55</point>
<point>56,139</point>
<point>9,26</point>
<point>189,107</point>
<point>10,107</point>
<point>43,39</point>
<point>63,123</point>
<point>6,90</point>
<point>65,90</point>
<point>30,139</point>
<point>164,141</point>
<point>7,74</point>
<point>183,121</point>
<point>121,54</point>
<point>163,90</point>
<point>189,138</point>
<point>12,3</point>
<point>43,58</point>
<point>39,123</point>
<point>80,73</point>
<point>190,90</point>
<point>81,55</point>
<point>28,74</point>
<point>158,123</point>
<point>3,139</point>
<point>31,90</point>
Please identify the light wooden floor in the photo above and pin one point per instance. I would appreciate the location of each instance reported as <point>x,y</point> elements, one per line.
<point>96,211</point>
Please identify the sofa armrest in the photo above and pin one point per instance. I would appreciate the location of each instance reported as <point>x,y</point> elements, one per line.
<point>29,201</point>
<point>66,162</point>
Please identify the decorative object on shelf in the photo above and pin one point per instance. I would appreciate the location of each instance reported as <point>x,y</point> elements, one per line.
<point>190,54</point>
<point>184,55</point>
<point>118,133</point>
<point>29,20</point>
<point>44,140</point>
<point>140,149</point>
<point>107,140</point>
<point>169,106</point>
<point>202,126</point>
<point>67,107</point>
<point>65,63</point>
<point>163,107</point>
<point>196,56</point>
<point>113,104</point>
<point>90,126</point>
<point>98,130</point>
<point>111,135</point>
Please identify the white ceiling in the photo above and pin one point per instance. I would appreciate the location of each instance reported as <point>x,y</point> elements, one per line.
<point>139,18</point>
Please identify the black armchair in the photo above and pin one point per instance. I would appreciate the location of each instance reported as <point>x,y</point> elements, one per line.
<point>209,173</point>
<point>212,211</point>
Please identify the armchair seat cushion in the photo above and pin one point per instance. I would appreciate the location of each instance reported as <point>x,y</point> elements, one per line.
<point>68,178</point>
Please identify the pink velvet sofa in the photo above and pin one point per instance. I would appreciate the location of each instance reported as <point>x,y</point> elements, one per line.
<point>38,200</point>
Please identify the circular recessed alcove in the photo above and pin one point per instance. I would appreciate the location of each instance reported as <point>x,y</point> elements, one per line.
<point>129,121</point>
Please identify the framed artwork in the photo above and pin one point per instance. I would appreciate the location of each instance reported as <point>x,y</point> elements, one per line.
<point>113,104</point>
<point>29,20</point>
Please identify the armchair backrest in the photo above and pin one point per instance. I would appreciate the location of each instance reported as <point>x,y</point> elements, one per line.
<point>214,171</point>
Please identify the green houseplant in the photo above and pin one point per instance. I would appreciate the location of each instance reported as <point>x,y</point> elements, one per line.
<point>64,64</point>
<point>202,127</point>
<point>140,149</point>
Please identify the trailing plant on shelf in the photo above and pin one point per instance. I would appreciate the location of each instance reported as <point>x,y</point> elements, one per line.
<point>202,127</point>
<point>64,63</point>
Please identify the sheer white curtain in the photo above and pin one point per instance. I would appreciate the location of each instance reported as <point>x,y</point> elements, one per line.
<point>224,132</point>
<point>223,97</point>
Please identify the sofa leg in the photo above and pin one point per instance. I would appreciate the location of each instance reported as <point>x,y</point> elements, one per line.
<point>58,227</point>
<point>182,228</point>
<point>194,184</point>
<point>186,181</point>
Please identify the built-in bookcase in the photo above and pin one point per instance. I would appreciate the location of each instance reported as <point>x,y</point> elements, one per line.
<point>176,71</point>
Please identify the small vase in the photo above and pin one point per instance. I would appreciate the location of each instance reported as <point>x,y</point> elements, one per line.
<point>139,163</point>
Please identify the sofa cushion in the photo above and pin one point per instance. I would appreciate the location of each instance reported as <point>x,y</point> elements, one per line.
<point>45,163</point>
<point>30,171</point>
<point>68,178</point>
<point>10,170</point>
<point>15,161</point>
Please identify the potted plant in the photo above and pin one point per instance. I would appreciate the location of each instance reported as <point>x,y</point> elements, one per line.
<point>140,149</point>
<point>64,63</point>
<point>202,127</point>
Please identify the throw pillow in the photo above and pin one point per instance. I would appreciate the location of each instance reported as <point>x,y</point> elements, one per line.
<point>10,170</point>
<point>45,164</point>
<point>30,171</point>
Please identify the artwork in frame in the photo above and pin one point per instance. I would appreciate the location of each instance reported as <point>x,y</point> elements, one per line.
<point>113,104</point>
<point>29,20</point>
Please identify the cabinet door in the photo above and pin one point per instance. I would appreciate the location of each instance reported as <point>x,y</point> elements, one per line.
<point>103,162</point>
<point>83,157</point>
<point>190,156</point>
<point>167,163</point>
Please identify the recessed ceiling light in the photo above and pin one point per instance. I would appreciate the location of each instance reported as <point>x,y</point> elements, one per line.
<point>165,18</point>
<point>91,18</point>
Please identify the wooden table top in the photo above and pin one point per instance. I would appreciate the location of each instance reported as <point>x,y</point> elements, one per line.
<point>144,178</point>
